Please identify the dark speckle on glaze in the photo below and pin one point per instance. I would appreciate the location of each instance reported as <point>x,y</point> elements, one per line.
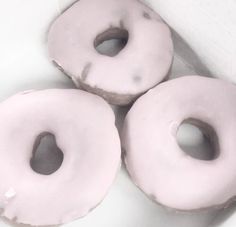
<point>153,197</point>
<point>1,210</point>
<point>15,219</point>
<point>58,66</point>
<point>85,71</point>
<point>147,16</point>
<point>137,79</point>
<point>122,24</point>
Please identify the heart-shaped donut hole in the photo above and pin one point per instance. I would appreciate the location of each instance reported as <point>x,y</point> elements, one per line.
<point>47,157</point>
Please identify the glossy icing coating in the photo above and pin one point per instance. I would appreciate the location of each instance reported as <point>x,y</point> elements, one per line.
<point>83,125</point>
<point>153,157</point>
<point>144,62</point>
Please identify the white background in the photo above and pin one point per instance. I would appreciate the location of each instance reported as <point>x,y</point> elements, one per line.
<point>24,65</point>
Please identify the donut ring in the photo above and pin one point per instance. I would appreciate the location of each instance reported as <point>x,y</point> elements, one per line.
<point>83,125</point>
<point>158,165</point>
<point>143,63</point>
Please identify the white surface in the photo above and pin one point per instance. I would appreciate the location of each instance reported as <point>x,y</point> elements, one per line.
<point>25,65</point>
<point>209,28</point>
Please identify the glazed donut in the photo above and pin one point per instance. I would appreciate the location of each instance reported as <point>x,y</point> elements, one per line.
<point>143,63</point>
<point>83,125</point>
<point>156,162</point>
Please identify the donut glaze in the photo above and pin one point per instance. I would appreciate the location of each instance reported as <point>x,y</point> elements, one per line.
<point>153,157</point>
<point>143,63</point>
<point>83,125</point>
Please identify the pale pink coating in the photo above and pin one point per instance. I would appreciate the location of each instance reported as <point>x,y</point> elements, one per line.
<point>155,161</point>
<point>143,63</point>
<point>83,125</point>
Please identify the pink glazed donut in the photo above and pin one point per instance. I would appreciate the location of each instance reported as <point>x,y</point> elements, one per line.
<point>83,125</point>
<point>142,64</point>
<point>153,157</point>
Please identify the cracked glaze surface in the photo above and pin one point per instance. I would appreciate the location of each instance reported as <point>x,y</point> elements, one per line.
<point>83,126</point>
<point>143,63</point>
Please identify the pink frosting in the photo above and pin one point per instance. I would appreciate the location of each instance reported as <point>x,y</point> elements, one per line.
<point>83,125</point>
<point>143,63</point>
<point>155,161</point>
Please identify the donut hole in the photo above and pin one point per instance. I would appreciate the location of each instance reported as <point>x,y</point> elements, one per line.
<point>111,42</point>
<point>47,156</point>
<point>198,139</point>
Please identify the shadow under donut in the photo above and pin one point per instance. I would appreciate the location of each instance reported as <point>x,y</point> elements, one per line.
<point>14,224</point>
